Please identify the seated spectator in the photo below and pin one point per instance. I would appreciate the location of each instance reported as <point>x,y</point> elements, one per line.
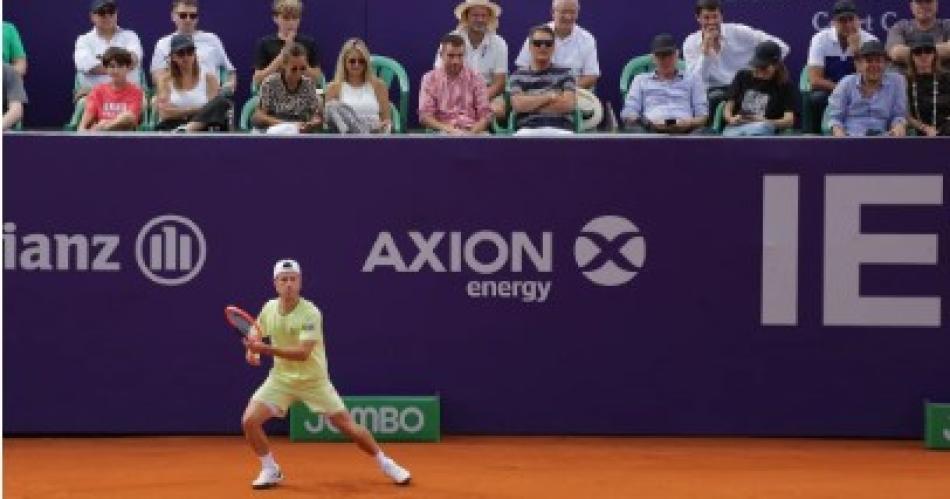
<point>485,52</point>
<point>761,100</point>
<point>91,47</point>
<point>116,105</point>
<point>453,98</point>
<point>289,100</point>
<point>666,100</point>
<point>211,53</point>
<point>189,98</point>
<point>14,97</point>
<point>357,101</point>
<point>272,49</point>
<point>542,94</point>
<point>574,47</point>
<point>831,55</point>
<point>928,86</point>
<point>871,102</point>
<point>924,21</point>
<point>719,50</point>
<point>13,52</point>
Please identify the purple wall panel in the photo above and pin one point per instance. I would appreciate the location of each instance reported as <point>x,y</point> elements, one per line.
<point>678,350</point>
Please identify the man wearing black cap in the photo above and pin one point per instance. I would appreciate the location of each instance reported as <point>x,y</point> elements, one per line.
<point>719,50</point>
<point>211,53</point>
<point>666,100</point>
<point>924,21</point>
<point>105,33</point>
<point>871,102</point>
<point>831,55</point>
<point>761,100</point>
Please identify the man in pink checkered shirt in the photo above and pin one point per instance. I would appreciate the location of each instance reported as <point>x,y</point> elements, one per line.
<point>453,99</point>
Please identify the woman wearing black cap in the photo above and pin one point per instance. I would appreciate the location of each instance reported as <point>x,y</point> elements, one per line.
<point>188,98</point>
<point>761,100</point>
<point>928,89</point>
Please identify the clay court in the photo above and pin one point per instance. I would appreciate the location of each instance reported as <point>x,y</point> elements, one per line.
<point>481,467</point>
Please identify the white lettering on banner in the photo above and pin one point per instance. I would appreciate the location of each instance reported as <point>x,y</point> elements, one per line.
<point>385,252</point>
<point>166,244</point>
<point>382,420</point>
<point>61,252</point>
<point>846,249</point>
<point>526,291</point>
<point>822,19</point>
<point>609,251</point>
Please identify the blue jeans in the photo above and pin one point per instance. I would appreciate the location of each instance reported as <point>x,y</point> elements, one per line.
<point>749,129</point>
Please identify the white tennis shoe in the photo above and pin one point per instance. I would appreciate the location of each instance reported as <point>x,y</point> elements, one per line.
<point>269,477</point>
<point>398,474</point>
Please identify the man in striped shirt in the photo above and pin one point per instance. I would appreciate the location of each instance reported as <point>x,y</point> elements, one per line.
<point>543,95</point>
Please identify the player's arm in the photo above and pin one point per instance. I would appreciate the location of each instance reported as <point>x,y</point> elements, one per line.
<point>299,353</point>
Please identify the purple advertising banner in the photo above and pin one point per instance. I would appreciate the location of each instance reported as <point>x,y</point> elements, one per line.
<point>794,287</point>
<point>407,31</point>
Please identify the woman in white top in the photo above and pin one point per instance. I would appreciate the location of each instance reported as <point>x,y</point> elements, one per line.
<point>357,101</point>
<point>189,100</point>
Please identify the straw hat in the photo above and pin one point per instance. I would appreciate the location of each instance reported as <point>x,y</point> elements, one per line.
<point>467,4</point>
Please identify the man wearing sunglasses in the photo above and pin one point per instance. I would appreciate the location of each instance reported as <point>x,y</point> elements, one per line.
<point>924,21</point>
<point>543,95</point>
<point>90,46</point>
<point>211,54</point>
<point>831,55</point>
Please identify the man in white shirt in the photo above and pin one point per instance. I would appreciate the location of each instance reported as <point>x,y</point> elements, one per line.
<point>574,47</point>
<point>719,50</point>
<point>831,57</point>
<point>90,46</point>
<point>211,53</point>
<point>486,53</point>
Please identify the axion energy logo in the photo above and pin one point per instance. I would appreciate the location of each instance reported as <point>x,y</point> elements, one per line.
<point>517,265</point>
<point>610,251</point>
<point>170,250</point>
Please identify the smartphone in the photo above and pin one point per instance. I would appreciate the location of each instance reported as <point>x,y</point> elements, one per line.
<point>670,122</point>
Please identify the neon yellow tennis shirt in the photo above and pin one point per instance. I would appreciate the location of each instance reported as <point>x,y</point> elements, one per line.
<point>303,323</point>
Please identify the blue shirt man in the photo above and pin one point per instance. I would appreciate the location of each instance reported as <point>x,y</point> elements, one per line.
<point>871,102</point>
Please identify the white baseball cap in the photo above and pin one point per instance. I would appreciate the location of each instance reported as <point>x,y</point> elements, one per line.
<point>286,265</point>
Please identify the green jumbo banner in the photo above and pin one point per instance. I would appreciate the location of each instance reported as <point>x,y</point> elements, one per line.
<point>389,419</point>
<point>937,431</point>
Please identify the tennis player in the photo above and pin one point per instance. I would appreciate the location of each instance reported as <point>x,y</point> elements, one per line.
<point>295,328</point>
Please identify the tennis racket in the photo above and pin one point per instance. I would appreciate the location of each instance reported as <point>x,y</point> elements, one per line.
<point>246,326</point>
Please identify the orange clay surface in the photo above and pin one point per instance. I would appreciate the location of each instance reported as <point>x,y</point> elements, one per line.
<point>480,467</point>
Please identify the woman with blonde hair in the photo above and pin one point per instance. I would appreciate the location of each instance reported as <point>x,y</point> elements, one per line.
<point>928,89</point>
<point>356,100</point>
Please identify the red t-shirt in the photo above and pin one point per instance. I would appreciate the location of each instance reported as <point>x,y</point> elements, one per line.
<point>107,102</point>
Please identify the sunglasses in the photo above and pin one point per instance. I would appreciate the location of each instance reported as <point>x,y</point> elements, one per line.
<point>922,51</point>
<point>184,16</point>
<point>846,18</point>
<point>354,62</point>
<point>297,69</point>
<point>185,52</point>
<point>542,43</point>
<point>108,10</point>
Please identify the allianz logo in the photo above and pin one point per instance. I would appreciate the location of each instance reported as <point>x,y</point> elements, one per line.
<point>383,420</point>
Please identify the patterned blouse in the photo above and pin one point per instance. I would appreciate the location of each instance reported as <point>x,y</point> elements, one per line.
<point>301,104</point>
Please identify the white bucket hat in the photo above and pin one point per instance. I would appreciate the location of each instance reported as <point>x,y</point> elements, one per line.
<point>592,110</point>
<point>286,265</point>
<point>467,4</point>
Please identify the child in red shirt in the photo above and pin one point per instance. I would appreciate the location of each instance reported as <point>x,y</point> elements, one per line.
<point>116,105</point>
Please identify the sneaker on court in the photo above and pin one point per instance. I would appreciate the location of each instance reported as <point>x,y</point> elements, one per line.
<point>398,474</point>
<point>269,477</point>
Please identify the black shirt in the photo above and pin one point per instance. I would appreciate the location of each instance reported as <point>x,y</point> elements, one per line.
<point>923,108</point>
<point>269,47</point>
<point>767,98</point>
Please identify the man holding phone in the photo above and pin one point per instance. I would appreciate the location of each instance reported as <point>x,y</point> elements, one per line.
<point>666,100</point>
